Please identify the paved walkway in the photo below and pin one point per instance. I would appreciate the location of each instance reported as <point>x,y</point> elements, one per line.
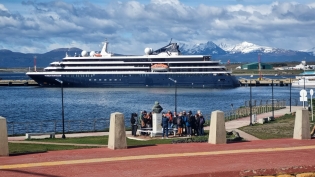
<point>190,159</point>
<point>252,158</point>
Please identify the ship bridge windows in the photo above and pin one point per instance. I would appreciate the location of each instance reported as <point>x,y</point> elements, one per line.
<point>206,58</point>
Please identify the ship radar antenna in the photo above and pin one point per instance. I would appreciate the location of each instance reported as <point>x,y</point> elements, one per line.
<point>171,40</point>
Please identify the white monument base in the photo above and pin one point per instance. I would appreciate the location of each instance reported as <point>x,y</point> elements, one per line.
<point>156,123</point>
<point>117,132</point>
<point>4,146</point>
<point>217,133</point>
<point>301,125</point>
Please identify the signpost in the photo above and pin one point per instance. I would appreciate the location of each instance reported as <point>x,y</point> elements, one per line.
<point>303,97</point>
<point>311,93</point>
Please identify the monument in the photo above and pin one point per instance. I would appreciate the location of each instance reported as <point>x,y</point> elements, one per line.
<point>217,133</point>
<point>117,132</point>
<point>156,118</point>
<point>4,147</point>
<point>302,125</point>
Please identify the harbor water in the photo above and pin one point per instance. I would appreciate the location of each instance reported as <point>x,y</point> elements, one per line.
<point>38,109</point>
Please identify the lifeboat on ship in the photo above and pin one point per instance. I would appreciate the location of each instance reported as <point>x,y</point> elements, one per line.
<point>97,55</point>
<point>159,67</point>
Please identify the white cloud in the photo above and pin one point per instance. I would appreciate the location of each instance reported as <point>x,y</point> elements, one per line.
<point>3,8</point>
<point>132,25</point>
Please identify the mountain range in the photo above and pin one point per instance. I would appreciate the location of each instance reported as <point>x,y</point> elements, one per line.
<point>248,52</point>
<point>241,53</point>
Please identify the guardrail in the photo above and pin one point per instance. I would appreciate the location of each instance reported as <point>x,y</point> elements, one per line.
<point>256,109</point>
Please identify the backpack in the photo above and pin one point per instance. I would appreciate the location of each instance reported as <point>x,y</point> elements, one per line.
<point>202,120</point>
<point>133,120</point>
<point>189,119</point>
<point>179,120</point>
<point>175,120</point>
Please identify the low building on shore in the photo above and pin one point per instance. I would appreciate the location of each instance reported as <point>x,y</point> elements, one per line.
<point>255,65</point>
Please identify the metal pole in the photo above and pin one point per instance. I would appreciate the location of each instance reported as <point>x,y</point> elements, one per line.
<point>175,96</point>
<point>175,82</point>
<point>250,103</point>
<point>232,110</point>
<point>63,115</point>
<point>272,99</point>
<point>311,93</point>
<point>290,94</point>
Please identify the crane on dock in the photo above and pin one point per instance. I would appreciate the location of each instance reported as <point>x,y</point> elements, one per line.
<point>259,67</point>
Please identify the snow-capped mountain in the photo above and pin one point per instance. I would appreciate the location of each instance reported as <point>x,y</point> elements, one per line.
<point>312,51</point>
<point>246,52</point>
<point>225,46</point>
<point>209,48</point>
<point>247,47</point>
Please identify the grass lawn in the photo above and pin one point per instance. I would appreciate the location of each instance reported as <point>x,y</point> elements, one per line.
<point>21,148</point>
<point>17,148</point>
<point>102,140</point>
<point>282,127</point>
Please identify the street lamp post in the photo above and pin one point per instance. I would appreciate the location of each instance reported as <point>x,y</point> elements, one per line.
<point>62,110</point>
<point>272,98</point>
<point>250,103</point>
<point>232,110</point>
<point>290,94</point>
<point>175,81</point>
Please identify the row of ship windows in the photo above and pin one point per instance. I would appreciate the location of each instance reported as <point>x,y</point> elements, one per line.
<point>140,60</point>
<point>138,65</point>
<point>145,75</point>
<point>105,80</point>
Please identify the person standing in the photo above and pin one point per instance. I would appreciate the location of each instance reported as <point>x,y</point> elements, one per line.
<point>170,119</point>
<point>197,120</point>
<point>180,124</point>
<point>184,120</point>
<point>188,125</point>
<point>201,122</point>
<point>175,122</point>
<point>165,121</point>
<point>192,123</point>
<point>134,124</point>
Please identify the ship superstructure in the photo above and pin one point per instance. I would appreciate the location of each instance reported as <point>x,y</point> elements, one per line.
<point>153,69</point>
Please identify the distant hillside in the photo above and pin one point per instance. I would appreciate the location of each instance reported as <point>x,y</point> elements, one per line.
<point>241,53</point>
<point>15,59</point>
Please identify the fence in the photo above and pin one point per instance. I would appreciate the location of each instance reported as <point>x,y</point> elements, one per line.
<point>262,107</point>
<point>71,126</point>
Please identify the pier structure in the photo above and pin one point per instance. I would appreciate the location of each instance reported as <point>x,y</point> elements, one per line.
<point>266,82</point>
<point>18,83</point>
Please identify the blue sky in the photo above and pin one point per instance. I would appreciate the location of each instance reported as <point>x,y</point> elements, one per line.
<point>38,26</point>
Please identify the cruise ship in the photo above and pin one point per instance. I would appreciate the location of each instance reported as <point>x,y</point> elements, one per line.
<point>165,67</point>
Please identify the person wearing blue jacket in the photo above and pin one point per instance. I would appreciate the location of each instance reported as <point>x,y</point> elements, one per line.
<point>188,124</point>
<point>165,121</point>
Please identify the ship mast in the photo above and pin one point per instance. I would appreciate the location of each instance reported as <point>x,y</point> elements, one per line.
<point>259,67</point>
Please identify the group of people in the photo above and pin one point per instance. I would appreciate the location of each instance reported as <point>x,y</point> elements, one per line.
<point>186,124</point>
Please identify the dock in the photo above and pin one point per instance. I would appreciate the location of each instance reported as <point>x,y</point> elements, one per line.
<point>266,82</point>
<point>18,83</point>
